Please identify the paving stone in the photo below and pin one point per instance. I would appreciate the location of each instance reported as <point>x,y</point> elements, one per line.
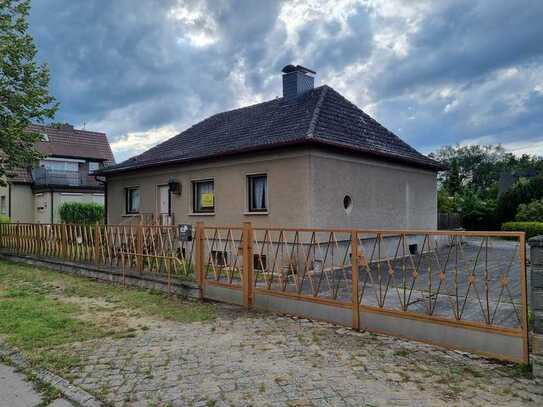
<point>245,358</point>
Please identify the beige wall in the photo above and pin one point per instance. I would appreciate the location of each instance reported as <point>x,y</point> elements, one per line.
<point>22,203</point>
<point>42,207</point>
<point>288,190</point>
<point>305,189</point>
<point>384,195</point>
<point>4,197</point>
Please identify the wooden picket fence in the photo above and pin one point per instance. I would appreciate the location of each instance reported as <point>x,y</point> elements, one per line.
<point>143,248</point>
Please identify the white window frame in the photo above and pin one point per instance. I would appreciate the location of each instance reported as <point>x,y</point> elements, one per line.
<point>91,171</point>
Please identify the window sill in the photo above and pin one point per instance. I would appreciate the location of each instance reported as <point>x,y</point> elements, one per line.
<point>130,215</point>
<point>201,214</point>
<point>256,213</point>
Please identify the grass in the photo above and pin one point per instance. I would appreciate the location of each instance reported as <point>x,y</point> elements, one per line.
<point>42,311</point>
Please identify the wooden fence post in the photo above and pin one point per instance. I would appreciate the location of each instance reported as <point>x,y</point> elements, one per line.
<point>64,241</point>
<point>97,244</point>
<point>139,247</point>
<point>248,275</point>
<point>354,278</point>
<point>199,257</point>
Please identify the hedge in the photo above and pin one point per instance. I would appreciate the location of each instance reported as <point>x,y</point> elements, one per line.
<point>531,228</point>
<point>4,219</point>
<point>83,213</point>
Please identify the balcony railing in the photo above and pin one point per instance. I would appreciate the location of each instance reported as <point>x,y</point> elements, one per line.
<point>43,177</point>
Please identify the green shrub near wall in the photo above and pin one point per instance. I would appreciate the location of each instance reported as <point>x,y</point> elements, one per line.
<point>4,219</point>
<point>531,228</point>
<point>84,213</point>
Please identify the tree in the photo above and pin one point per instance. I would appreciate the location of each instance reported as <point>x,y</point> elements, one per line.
<point>477,167</point>
<point>24,95</point>
<point>453,183</point>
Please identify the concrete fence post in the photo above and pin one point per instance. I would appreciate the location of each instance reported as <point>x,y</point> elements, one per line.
<point>536,302</point>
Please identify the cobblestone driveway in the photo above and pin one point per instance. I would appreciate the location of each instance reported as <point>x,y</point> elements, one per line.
<point>244,359</point>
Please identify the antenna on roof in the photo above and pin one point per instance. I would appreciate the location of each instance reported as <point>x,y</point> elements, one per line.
<point>84,124</point>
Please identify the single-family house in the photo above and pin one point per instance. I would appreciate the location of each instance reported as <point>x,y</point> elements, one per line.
<point>309,158</point>
<point>65,174</point>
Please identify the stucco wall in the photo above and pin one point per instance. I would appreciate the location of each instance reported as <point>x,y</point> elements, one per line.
<point>42,207</point>
<point>288,190</point>
<point>305,189</point>
<point>22,203</point>
<point>4,195</point>
<point>384,195</point>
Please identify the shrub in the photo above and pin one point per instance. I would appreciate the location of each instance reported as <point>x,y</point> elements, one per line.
<point>531,228</point>
<point>84,213</point>
<point>4,219</point>
<point>531,212</point>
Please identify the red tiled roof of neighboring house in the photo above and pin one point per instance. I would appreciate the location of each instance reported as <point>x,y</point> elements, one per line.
<point>67,142</point>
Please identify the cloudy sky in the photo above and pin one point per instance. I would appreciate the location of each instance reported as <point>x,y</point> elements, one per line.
<point>434,72</point>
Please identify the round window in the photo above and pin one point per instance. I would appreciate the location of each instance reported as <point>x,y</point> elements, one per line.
<point>347,203</point>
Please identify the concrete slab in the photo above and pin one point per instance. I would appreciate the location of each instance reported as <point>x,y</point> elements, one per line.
<point>15,391</point>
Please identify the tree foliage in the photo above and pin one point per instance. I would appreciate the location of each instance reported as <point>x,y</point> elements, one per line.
<point>24,95</point>
<point>81,213</point>
<point>471,184</point>
<point>524,191</point>
<point>530,212</point>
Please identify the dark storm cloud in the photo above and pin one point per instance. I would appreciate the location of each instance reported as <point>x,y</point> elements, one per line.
<point>465,40</point>
<point>133,66</point>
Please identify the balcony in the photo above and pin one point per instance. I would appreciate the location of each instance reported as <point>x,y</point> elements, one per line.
<point>42,176</point>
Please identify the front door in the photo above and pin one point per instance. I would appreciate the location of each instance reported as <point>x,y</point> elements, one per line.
<point>164,204</point>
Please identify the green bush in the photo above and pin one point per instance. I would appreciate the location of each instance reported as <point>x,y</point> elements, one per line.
<point>531,212</point>
<point>523,192</point>
<point>4,219</point>
<point>531,228</point>
<point>84,213</point>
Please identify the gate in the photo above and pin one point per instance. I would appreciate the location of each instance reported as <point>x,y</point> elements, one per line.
<point>455,289</point>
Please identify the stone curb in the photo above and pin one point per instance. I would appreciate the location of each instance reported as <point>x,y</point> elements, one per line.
<point>71,392</point>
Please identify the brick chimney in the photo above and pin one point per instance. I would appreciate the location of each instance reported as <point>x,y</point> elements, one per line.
<point>296,81</point>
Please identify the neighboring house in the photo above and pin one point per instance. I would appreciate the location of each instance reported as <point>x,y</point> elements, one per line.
<point>310,158</point>
<point>65,174</point>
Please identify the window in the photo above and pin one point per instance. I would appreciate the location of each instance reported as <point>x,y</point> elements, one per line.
<point>347,204</point>
<point>203,194</point>
<point>60,165</point>
<point>93,166</point>
<point>258,193</point>
<point>132,200</point>
<point>220,258</point>
<point>260,262</point>
<point>3,207</point>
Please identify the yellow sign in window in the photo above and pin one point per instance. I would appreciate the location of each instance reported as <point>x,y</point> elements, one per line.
<point>207,200</point>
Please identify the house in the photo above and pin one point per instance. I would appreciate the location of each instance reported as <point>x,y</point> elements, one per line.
<point>308,159</point>
<point>65,174</point>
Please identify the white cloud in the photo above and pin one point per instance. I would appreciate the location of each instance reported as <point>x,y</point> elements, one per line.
<point>136,142</point>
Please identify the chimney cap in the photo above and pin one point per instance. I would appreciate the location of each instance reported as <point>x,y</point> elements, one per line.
<point>291,68</point>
